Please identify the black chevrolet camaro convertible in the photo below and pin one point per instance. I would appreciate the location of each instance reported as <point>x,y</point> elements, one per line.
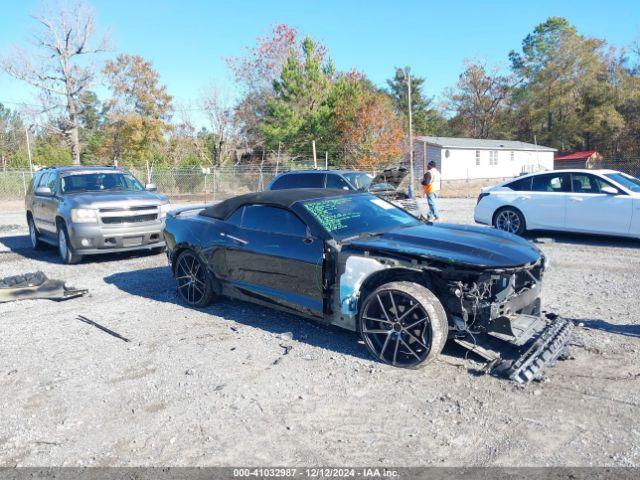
<point>356,261</point>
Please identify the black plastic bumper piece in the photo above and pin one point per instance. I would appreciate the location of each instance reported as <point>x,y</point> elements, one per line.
<point>544,349</point>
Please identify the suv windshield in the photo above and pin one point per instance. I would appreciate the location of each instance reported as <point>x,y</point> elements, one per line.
<point>356,215</point>
<point>100,182</point>
<point>360,180</point>
<point>627,181</point>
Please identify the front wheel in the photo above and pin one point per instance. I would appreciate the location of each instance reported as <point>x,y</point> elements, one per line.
<point>34,236</point>
<point>403,324</point>
<point>509,220</point>
<point>194,282</point>
<point>65,250</point>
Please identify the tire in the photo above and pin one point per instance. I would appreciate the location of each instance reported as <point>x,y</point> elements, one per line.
<point>193,280</point>
<point>385,322</point>
<point>511,220</point>
<point>34,236</point>
<point>65,250</point>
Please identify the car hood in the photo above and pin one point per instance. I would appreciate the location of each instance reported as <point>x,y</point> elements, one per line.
<point>457,244</point>
<point>393,176</point>
<point>111,199</point>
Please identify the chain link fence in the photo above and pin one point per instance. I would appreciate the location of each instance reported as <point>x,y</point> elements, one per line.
<point>214,184</point>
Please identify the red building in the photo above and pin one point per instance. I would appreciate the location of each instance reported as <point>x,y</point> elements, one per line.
<point>587,159</point>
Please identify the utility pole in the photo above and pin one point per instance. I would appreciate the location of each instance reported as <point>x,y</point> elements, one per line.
<point>326,160</point>
<point>26,132</point>
<point>278,157</point>
<point>315,160</point>
<point>406,75</point>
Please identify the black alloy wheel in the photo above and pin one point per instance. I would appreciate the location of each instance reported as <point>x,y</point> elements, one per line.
<point>194,285</point>
<point>403,324</point>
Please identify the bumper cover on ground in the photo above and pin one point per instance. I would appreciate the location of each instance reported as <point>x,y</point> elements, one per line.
<point>34,286</point>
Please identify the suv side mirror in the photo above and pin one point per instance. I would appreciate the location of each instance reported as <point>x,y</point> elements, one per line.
<point>151,187</point>
<point>44,191</point>
<point>609,190</point>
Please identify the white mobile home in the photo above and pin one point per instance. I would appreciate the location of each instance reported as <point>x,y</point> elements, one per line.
<point>471,158</point>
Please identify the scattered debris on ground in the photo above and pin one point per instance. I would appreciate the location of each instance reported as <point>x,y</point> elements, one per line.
<point>36,285</point>
<point>103,328</point>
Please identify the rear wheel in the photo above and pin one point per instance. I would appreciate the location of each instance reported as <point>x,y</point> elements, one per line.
<point>194,282</point>
<point>34,236</point>
<point>65,250</point>
<point>403,324</point>
<point>509,220</point>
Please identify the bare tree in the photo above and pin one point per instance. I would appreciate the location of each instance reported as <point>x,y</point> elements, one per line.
<point>220,114</point>
<point>478,98</point>
<point>58,65</point>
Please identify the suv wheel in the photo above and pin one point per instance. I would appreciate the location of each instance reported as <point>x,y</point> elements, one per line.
<point>33,234</point>
<point>67,255</point>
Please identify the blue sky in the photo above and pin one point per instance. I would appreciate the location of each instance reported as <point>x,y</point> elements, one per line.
<point>188,40</point>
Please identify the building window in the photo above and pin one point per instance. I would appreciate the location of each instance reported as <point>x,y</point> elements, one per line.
<point>493,157</point>
<point>478,158</point>
<point>513,155</point>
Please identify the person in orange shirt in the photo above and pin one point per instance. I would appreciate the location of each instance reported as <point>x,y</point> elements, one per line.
<point>431,183</point>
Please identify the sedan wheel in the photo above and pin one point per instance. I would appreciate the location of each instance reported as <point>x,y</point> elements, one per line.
<point>509,220</point>
<point>194,285</point>
<point>403,324</point>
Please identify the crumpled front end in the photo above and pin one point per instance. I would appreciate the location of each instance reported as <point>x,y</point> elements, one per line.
<point>497,315</point>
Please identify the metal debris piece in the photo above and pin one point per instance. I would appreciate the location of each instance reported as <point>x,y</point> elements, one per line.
<point>104,329</point>
<point>36,285</point>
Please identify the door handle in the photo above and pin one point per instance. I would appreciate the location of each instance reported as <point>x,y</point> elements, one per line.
<point>576,199</point>
<point>235,239</point>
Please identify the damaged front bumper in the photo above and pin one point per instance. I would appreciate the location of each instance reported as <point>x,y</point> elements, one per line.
<point>534,344</point>
<point>501,320</point>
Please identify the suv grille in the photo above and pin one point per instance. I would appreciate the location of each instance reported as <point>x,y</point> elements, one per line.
<point>136,219</point>
<point>118,216</point>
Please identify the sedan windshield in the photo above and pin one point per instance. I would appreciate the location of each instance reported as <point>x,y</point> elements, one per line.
<point>100,182</point>
<point>360,180</point>
<point>627,181</point>
<point>356,215</point>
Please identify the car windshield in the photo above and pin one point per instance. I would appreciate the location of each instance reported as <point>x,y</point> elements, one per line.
<point>360,180</point>
<point>357,215</point>
<point>627,181</point>
<point>100,182</point>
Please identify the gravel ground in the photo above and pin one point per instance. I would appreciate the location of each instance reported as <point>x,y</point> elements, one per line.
<point>214,387</point>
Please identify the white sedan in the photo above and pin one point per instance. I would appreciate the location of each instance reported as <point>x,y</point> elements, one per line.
<point>604,202</point>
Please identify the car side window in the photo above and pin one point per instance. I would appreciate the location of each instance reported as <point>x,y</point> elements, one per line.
<point>34,182</point>
<point>51,181</point>
<point>44,179</point>
<point>299,180</point>
<point>587,183</point>
<point>521,185</point>
<point>336,181</point>
<point>551,182</point>
<point>236,217</point>
<point>273,220</point>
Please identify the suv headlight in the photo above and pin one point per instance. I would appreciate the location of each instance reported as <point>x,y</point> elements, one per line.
<point>84,215</point>
<point>163,209</point>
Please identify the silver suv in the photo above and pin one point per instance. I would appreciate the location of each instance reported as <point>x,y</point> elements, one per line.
<point>91,210</point>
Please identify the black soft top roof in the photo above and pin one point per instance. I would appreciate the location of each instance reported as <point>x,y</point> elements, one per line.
<point>279,198</point>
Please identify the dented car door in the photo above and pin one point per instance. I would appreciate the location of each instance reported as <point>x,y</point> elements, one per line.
<point>271,257</point>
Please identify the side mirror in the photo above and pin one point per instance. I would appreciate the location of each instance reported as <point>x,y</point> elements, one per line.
<point>308,238</point>
<point>44,191</point>
<point>151,187</point>
<point>609,190</point>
